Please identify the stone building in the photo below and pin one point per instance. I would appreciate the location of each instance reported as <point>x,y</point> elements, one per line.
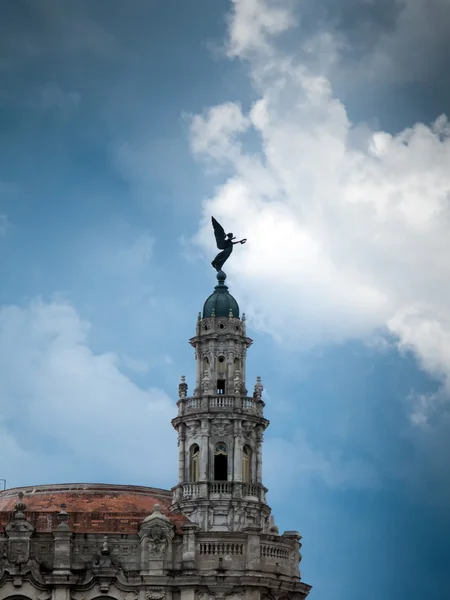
<point>211,537</point>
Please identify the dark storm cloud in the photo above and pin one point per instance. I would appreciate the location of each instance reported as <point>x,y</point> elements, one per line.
<point>391,56</point>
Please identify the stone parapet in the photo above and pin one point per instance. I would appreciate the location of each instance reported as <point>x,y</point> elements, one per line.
<point>220,402</point>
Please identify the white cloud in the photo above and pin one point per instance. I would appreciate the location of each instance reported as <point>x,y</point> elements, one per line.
<point>254,21</point>
<point>66,410</point>
<point>348,230</point>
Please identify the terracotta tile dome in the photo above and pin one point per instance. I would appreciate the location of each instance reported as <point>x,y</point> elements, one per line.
<point>92,507</point>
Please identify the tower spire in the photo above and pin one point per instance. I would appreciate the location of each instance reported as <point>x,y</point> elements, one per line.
<point>220,428</point>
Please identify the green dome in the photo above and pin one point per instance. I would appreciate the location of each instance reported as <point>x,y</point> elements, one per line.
<point>221,301</point>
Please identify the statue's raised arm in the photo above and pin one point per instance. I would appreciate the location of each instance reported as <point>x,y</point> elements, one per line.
<point>224,243</point>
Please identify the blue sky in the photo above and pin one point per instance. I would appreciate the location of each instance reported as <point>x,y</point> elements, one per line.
<point>314,129</point>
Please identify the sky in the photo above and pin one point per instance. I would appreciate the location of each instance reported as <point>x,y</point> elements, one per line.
<point>317,130</point>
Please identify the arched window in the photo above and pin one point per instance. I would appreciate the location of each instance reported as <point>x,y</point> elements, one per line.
<point>221,462</point>
<point>246,464</point>
<point>194,463</point>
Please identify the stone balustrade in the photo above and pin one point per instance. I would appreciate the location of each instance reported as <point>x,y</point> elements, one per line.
<point>220,489</point>
<point>221,402</point>
<point>274,554</point>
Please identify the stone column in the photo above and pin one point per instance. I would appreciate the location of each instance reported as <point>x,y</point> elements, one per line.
<point>198,374</point>
<point>189,543</point>
<point>187,593</point>
<point>237,455</point>
<point>62,535</point>
<point>62,557</point>
<point>204,452</point>
<point>61,592</point>
<point>294,537</point>
<point>181,455</point>
<point>253,555</point>
<point>258,458</point>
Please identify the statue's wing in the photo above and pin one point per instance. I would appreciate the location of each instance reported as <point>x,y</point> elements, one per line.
<point>219,232</point>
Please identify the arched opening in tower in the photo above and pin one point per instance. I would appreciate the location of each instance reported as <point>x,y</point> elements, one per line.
<point>221,462</point>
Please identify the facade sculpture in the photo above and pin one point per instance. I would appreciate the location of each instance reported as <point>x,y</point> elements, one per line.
<point>212,537</point>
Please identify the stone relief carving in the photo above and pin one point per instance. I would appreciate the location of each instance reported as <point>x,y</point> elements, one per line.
<point>194,428</point>
<point>248,429</point>
<point>155,593</point>
<point>206,383</point>
<point>221,428</point>
<point>157,544</point>
<point>156,533</point>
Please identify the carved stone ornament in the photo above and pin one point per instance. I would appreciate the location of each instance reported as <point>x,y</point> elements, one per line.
<point>44,596</point>
<point>194,428</point>
<point>248,429</point>
<point>157,542</point>
<point>18,551</point>
<point>221,428</point>
<point>131,596</point>
<point>155,593</point>
<point>182,388</point>
<point>206,383</point>
<point>157,531</point>
<point>237,383</point>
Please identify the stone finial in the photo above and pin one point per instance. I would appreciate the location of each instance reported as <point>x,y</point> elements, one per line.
<point>19,523</point>
<point>213,312</point>
<point>230,313</point>
<point>182,388</point>
<point>156,514</point>
<point>258,389</point>
<point>63,518</point>
<point>19,507</point>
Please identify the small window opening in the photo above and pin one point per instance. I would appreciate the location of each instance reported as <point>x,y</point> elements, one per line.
<point>222,326</point>
<point>221,462</point>
<point>221,386</point>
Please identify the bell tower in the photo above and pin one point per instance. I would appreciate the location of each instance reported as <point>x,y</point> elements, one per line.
<point>220,427</point>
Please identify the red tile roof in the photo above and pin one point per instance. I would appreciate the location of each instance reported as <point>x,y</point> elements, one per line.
<point>92,507</point>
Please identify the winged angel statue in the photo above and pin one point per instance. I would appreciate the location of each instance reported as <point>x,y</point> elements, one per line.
<point>224,243</point>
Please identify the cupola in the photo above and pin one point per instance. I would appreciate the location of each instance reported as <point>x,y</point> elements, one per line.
<point>221,302</point>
